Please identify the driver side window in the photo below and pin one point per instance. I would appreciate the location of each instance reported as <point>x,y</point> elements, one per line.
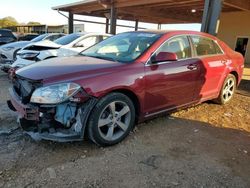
<point>87,42</point>
<point>178,45</point>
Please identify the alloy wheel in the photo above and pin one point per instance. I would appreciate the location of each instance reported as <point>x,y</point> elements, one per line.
<point>114,120</point>
<point>228,90</point>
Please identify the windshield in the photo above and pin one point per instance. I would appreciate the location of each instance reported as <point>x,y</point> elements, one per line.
<point>67,39</point>
<point>124,47</point>
<point>39,38</point>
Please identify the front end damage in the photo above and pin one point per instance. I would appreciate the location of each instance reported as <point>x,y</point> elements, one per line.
<point>61,122</point>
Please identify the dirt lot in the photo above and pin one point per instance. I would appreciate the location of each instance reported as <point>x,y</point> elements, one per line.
<point>203,146</point>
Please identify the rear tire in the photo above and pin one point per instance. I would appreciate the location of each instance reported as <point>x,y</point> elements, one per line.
<point>111,120</point>
<point>227,90</point>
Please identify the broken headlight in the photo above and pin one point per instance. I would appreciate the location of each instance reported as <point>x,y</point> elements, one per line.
<point>29,55</point>
<point>54,94</point>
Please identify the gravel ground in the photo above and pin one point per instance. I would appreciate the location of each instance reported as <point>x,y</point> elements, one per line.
<point>203,146</point>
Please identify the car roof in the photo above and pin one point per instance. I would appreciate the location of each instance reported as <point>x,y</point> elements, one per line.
<point>175,32</point>
<point>54,33</point>
<point>30,34</point>
<point>91,33</point>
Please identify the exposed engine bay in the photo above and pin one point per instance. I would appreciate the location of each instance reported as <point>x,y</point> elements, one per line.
<point>61,122</point>
<point>65,122</point>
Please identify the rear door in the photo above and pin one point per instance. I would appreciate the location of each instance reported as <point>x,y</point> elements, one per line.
<point>213,61</point>
<point>171,84</point>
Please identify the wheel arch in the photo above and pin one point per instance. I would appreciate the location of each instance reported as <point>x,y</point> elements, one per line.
<point>133,97</point>
<point>127,92</point>
<point>15,52</point>
<point>236,76</point>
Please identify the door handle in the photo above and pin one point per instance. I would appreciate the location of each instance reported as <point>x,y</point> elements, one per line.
<point>192,67</point>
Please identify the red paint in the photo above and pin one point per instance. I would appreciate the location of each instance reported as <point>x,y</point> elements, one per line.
<point>166,56</point>
<point>158,88</point>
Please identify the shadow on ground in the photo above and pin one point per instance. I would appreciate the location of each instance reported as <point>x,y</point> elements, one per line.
<point>244,87</point>
<point>165,152</point>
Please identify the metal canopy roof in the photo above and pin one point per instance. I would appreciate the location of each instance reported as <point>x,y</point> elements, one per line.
<point>152,11</point>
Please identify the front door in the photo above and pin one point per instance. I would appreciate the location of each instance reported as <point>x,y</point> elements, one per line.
<point>171,84</point>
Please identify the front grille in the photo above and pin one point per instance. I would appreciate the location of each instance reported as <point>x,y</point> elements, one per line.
<point>24,88</point>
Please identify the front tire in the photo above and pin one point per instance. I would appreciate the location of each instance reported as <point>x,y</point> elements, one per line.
<point>111,120</point>
<point>227,90</point>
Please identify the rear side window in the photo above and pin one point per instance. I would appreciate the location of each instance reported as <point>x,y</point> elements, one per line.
<point>50,37</point>
<point>39,38</point>
<point>205,46</point>
<point>104,37</point>
<point>217,48</point>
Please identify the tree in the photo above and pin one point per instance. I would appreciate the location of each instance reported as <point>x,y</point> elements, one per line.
<point>8,22</point>
<point>33,23</point>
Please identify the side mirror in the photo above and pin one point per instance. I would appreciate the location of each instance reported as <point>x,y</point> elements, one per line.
<point>165,56</point>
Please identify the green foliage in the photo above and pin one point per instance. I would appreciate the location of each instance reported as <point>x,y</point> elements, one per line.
<point>7,22</point>
<point>10,21</point>
<point>33,23</point>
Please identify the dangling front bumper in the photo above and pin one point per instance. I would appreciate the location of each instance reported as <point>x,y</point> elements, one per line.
<point>42,123</point>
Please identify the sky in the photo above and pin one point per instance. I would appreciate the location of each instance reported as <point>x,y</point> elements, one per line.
<point>40,11</point>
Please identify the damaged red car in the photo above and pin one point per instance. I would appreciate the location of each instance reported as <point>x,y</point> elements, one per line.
<point>104,91</point>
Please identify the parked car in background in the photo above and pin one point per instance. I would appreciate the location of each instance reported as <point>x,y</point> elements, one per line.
<point>127,78</point>
<point>8,52</point>
<point>69,45</point>
<point>6,36</point>
<point>28,37</point>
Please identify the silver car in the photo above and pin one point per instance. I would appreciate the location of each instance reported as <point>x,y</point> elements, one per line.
<point>8,51</point>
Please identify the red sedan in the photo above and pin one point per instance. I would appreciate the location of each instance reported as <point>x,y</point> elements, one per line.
<point>123,80</point>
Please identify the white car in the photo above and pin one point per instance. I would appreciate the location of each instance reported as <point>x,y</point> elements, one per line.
<point>69,45</point>
<point>8,51</point>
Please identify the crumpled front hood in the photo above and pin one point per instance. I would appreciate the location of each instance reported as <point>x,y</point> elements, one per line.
<point>67,67</point>
<point>44,44</point>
